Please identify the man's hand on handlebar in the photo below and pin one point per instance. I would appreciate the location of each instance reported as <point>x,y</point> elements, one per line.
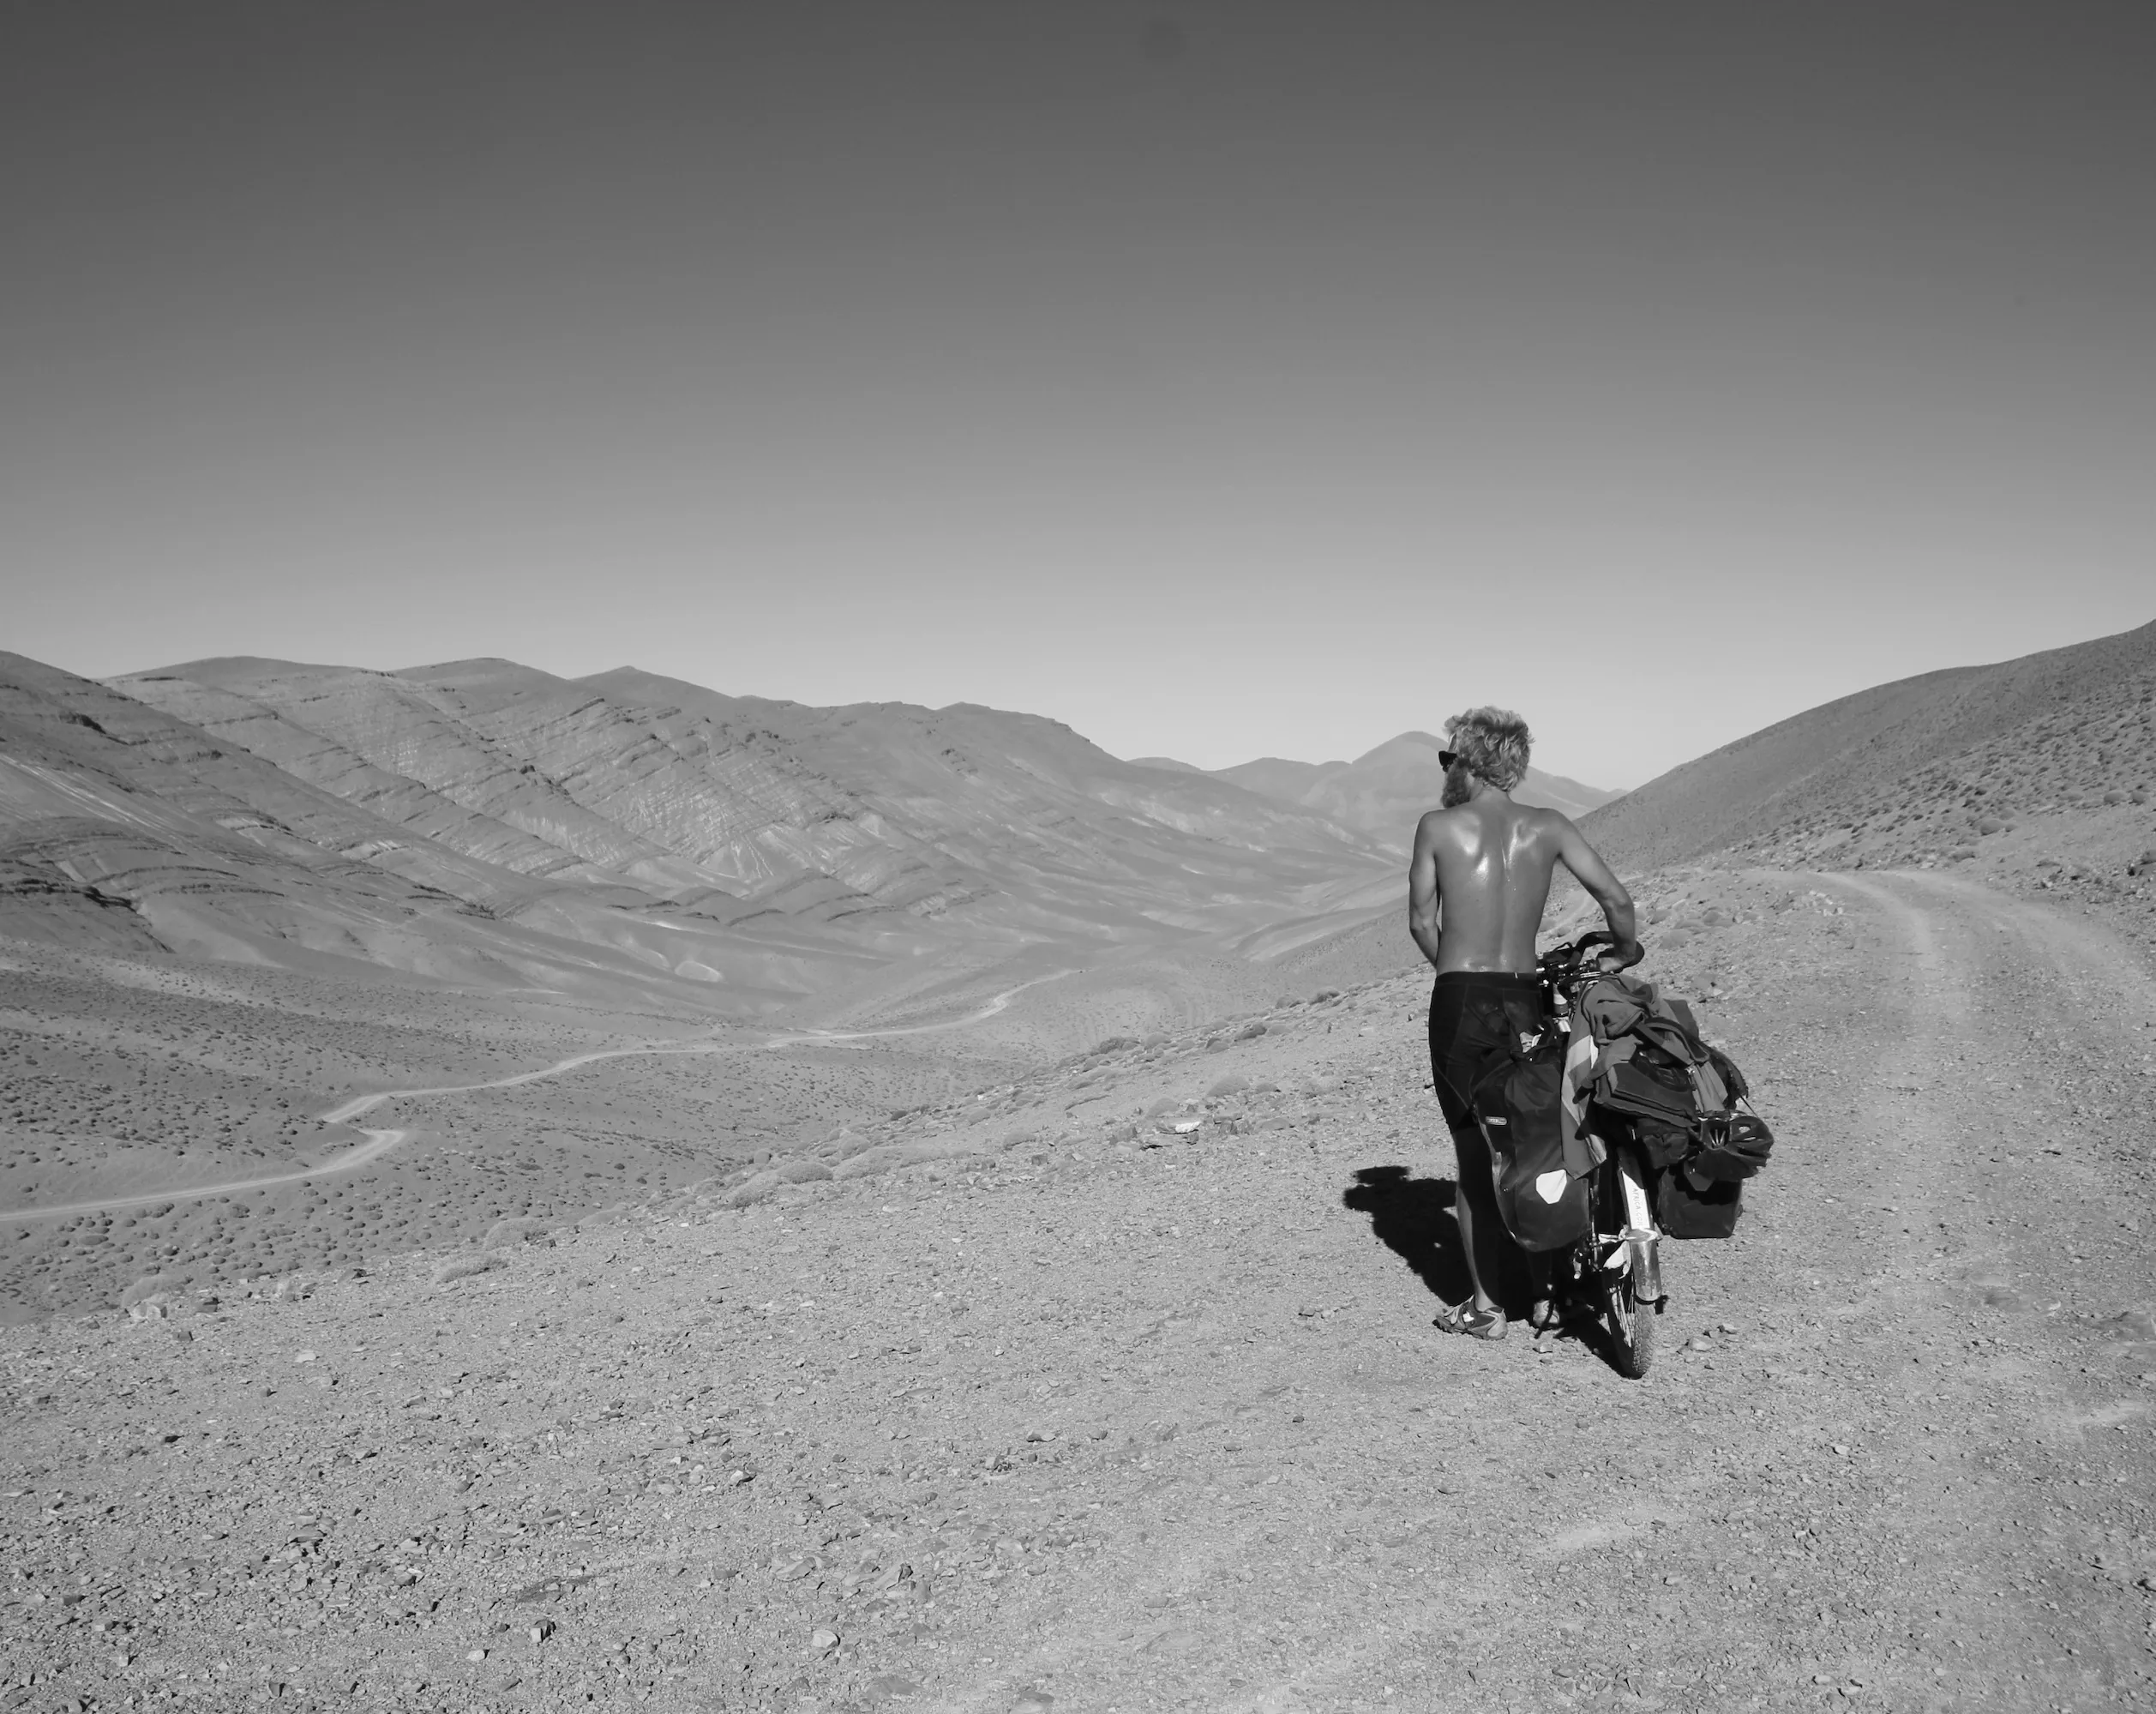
<point>1612,959</point>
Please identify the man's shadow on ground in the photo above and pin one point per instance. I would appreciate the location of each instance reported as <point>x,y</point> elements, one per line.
<point>1413,1217</point>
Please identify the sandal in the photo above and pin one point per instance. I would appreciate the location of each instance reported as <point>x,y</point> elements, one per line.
<point>1476,1324</point>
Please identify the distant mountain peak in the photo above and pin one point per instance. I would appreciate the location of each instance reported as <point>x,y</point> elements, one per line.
<point>1384,790</point>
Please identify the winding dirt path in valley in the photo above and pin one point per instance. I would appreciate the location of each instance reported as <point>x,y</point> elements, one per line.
<point>380,1142</point>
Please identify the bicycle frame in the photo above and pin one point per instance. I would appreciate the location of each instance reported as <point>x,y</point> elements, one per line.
<point>1618,1195</point>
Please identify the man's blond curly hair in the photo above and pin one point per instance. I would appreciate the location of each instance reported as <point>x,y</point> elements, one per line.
<point>1492,743</point>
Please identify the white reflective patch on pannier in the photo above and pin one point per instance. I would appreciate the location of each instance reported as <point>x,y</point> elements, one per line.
<point>1550,1185</point>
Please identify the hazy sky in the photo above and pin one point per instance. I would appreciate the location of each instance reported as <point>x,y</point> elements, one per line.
<point>1223,380</point>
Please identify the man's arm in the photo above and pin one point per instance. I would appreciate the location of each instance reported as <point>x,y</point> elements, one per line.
<point>1422,886</point>
<point>1592,873</point>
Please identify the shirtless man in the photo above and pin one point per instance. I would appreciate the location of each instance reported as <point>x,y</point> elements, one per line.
<point>1475,893</point>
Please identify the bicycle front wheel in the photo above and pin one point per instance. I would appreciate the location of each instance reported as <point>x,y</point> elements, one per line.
<point>1631,1323</point>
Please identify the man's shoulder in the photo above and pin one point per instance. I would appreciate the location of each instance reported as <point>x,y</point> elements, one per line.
<point>1546,817</point>
<point>1436,823</point>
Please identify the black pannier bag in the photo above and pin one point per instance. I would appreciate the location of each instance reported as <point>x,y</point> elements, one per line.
<point>1519,1103</point>
<point>1701,1195</point>
<point>1709,1210</point>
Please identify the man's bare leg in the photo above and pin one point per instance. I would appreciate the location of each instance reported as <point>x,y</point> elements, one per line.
<point>1465,1217</point>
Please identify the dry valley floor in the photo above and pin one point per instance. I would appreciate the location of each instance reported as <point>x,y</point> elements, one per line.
<point>1060,1410</point>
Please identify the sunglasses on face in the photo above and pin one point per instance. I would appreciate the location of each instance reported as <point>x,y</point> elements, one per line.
<point>1446,758</point>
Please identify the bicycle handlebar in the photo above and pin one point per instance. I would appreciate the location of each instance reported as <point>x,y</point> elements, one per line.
<point>1562,963</point>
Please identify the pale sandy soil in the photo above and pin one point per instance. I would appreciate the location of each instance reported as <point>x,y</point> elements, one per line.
<point>251,1096</point>
<point>1061,1421</point>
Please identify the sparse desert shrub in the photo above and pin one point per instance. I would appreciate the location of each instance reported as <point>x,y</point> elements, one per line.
<point>757,1189</point>
<point>465,1267</point>
<point>1116,1044</point>
<point>800,1171</point>
<point>507,1232</point>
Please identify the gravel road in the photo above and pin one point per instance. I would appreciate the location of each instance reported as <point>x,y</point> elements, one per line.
<point>1084,1425</point>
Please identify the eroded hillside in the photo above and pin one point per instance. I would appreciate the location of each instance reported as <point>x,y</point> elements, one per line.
<point>2056,744</point>
<point>633,841</point>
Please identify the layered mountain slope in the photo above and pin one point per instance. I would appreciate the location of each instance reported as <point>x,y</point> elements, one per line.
<point>399,727</point>
<point>1015,807</point>
<point>1924,766</point>
<point>123,827</point>
<point>483,821</point>
<point>1384,791</point>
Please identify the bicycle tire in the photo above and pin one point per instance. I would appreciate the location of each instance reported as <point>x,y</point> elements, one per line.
<point>1631,1328</point>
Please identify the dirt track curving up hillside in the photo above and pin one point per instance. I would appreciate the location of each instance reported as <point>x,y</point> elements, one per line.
<point>1100,1427</point>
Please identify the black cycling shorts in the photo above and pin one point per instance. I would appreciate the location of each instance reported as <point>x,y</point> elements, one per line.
<point>1476,1017</point>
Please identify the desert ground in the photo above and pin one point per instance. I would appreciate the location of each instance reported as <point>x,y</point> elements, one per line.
<point>995,1391</point>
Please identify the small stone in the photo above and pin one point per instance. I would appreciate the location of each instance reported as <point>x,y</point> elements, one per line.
<point>474,1656</point>
<point>304,1356</point>
<point>738,1477</point>
<point>1033,1702</point>
<point>823,1640</point>
<point>540,1632</point>
<point>1840,1450</point>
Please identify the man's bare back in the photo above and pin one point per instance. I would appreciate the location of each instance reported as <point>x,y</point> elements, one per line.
<point>1480,877</point>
